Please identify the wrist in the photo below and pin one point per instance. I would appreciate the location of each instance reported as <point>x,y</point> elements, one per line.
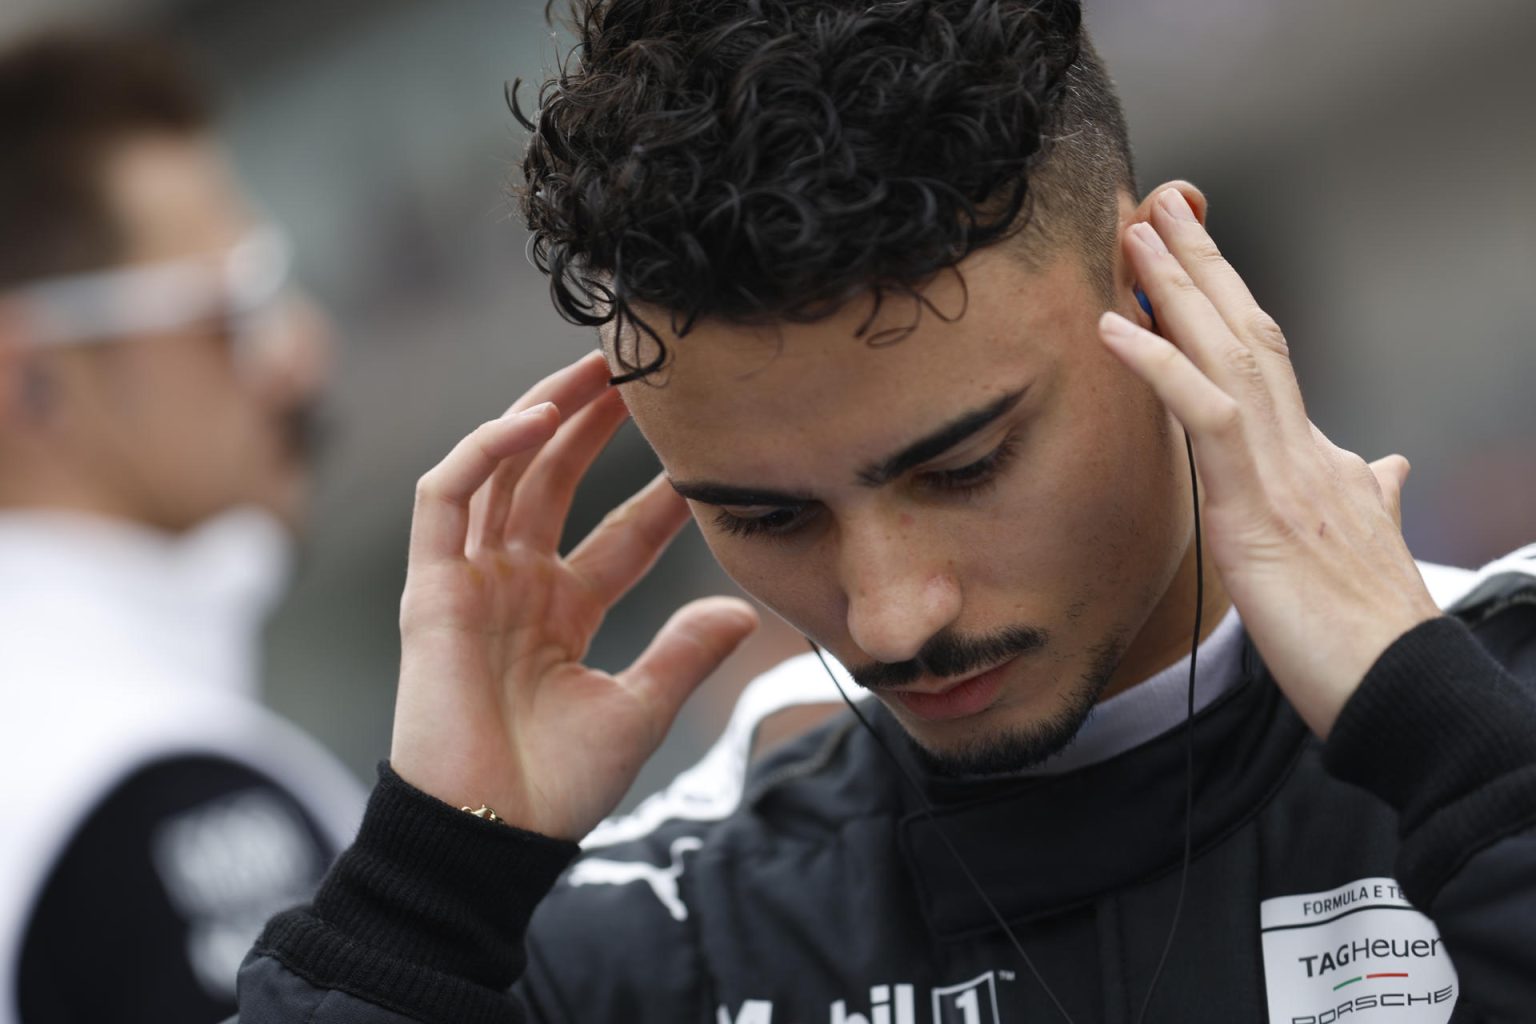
<point>416,859</point>
<point>452,779</point>
<point>1351,661</point>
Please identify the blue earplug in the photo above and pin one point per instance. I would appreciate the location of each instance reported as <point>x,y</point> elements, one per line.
<point>1146,304</point>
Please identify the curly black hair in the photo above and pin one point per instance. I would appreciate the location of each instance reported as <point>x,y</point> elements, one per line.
<point>761,160</point>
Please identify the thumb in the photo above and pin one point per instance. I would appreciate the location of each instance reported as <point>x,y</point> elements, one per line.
<point>693,643</point>
<point>1391,475</point>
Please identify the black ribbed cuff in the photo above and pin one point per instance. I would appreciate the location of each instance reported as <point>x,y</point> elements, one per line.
<point>425,913</point>
<point>1439,730</point>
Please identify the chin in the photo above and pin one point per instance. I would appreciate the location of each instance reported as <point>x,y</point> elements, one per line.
<point>1008,739</point>
<point>1003,749</point>
<point>287,500</point>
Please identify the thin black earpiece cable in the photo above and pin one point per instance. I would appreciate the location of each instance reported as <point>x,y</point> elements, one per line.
<point>1189,737</point>
<point>1189,782</point>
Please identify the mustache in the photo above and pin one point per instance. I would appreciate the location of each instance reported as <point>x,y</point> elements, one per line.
<point>306,430</point>
<point>948,654</point>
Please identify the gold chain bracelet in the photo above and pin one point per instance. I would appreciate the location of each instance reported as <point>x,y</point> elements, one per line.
<point>484,813</point>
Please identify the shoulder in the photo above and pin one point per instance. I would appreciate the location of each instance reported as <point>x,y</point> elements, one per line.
<point>87,738</point>
<point>197,828</point>
<point>186,855</point>
<point>1498,601</point>
<point>1463,591</point>
<point>76,753</point>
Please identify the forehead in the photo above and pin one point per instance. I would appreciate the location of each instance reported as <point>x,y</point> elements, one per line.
<point>175,196</point>
<point>737,399</point>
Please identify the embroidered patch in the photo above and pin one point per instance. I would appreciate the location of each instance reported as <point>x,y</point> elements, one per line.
<point>1358,953</point>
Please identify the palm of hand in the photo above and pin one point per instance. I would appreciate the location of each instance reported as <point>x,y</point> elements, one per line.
<point>495,705</point>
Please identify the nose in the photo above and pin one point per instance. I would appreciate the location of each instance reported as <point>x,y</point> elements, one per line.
<point>291,356</point>
<point>900,592</point>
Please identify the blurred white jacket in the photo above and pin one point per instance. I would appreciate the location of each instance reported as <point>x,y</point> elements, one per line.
<point>119,647</point>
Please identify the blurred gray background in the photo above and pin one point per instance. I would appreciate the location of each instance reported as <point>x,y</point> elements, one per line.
<point>1370,166</point>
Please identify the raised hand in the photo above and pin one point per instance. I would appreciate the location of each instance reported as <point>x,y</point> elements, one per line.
<point>495,705</point>
<point>1306,536</point>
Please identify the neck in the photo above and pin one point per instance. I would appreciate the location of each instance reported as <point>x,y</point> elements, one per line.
<point>37,476</point>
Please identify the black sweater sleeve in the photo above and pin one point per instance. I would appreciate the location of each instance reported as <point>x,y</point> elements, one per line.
<point>1446,734</point>
<point>423,918</point>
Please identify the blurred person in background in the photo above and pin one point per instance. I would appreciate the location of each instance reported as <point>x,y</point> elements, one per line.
<point>1013,442</point>
<point>157,385</point>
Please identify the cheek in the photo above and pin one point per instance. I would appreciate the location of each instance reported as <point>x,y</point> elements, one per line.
<point>1128,491</point>
<point>1088,514</point>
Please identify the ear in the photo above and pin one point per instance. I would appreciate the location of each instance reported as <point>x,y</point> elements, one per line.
<point>1130,215</point>
<point>1197,202</point>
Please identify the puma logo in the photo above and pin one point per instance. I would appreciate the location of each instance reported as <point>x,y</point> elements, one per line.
<point>663,881</point>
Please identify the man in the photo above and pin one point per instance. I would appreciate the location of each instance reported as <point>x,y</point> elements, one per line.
<point>868,277</point>
<point>154,386</point>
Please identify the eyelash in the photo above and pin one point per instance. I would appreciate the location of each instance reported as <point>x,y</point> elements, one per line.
<point>964,481</point>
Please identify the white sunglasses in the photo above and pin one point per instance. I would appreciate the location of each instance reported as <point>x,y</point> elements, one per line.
<point>109,305</point>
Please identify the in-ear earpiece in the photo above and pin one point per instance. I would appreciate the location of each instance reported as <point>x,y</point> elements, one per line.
<point>1146,305</point>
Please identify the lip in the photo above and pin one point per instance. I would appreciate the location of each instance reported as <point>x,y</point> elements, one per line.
<point>957,700</point>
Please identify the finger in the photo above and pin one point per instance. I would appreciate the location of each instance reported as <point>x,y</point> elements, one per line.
<point>1196,251</point>
<point>543,498</point>
<point>1187,319</point>
<point>1218,281</point>
<point>615,555</point>
<point>440,521</point>
<point>1391,475</point>
<point>1212,417</point>
<point>570,389</point>
<point>693,643</point>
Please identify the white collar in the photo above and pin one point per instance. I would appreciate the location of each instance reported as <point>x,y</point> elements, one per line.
<point>84,597</point>
<point>1157,704</point>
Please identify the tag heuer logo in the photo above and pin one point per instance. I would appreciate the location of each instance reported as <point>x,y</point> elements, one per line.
<point>1358,952</point>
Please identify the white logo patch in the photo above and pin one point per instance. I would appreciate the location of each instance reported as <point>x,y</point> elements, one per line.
<point>663,881</point>
<point>1360,952</point>
<point>227,866</point>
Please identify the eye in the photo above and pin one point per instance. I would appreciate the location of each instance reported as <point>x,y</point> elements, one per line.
<point>976,476</point>
<point>775,522</point>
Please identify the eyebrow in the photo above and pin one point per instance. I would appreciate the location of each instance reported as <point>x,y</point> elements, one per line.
<point>873,475</point>
<point>938,442</point>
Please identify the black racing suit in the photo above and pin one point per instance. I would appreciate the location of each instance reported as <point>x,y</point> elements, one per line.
<point>829,897</point>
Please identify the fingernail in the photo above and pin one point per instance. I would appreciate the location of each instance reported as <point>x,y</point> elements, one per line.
<point>1177,206</point>
<point>1117,328</point>
<point>534,410</point>
<point>1147,236</point>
